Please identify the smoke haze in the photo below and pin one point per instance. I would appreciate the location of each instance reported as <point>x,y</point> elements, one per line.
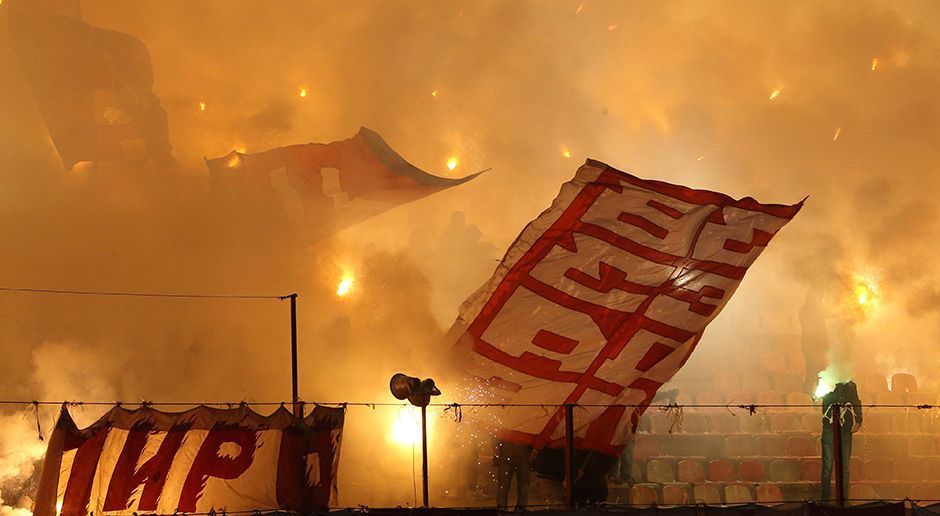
<point>836,101</point>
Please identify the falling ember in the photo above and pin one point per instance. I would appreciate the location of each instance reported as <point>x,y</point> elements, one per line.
<point>345,286</point>
<point>202,105</point>
<point>774,94</point>
<point>452,162</point>
<point>612,26</point>
<point>838,132</point>
<point>578,10</point>
<point>566,153</point>
<point>874,64</point>
<point>303,93</point>
<point>434,93</point>
<point>700,158</point>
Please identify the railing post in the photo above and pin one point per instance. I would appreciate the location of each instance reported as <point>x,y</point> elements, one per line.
<point>570,474</point>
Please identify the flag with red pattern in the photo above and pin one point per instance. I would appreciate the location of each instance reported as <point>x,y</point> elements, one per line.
<point>201,460</point>
<point>603,297</point>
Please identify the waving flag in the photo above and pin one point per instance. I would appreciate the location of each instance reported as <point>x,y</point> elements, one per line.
<point>338,183</point>
<point>93,86</point>
<point>602,299</point>
<point>201,460</point>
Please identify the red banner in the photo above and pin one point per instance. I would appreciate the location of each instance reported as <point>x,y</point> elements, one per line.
<point>201,460</point>
<point>602,299</point>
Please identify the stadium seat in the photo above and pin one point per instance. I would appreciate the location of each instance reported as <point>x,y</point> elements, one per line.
<point>739,445</point>
<point>707,494</point>
<point>662,423</point>
<point>738,493</point>
<point>770,445</point>
<point>660,472</point>
<point>644,494</point>
<point>921,398</point>
<point>800,398</point>
<point>878,470</point>
<point>925,491</point>
<point>784,423</point>
<point>877,422</point>
<point>796,363</point>
<point>755,381</point>
<point>720,471</point>
<point>773,361</point>
<point>909,470</point>
<point>923,446</point>
<point>694,424</point>
<point>735,398</point>
<point>903,382</point>
<point>811,470</point>
<point>932,470</point>
<point>645,446</point>
<point>801,446</point>
<point>754,423</point>
<point>861,493</point>
<point>676,494</point>
<point>889,398</point>
<point>769,398</point>
<point>784,470</point>
<point>811,422</point>
<point>871,382</point>
<point>907,423</point>
<point>769,493</point>
<point>724,423</point>
<point>710,398</point>
<point>725,380</point>
<point>751,471</point>
<point>691,471</point>
<point>787,381</point>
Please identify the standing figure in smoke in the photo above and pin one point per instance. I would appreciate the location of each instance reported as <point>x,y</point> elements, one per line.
<point>846,396</point>
<point>512,461</point>
<point>814,338</point>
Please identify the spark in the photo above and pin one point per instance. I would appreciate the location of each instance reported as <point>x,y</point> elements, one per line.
<point>874,64</point>
<point>303,93</point>
<point>612,26</point>
<point>202,105</point>
<point>434,93</point>
<point>838,132</point>
<point>700,158</point>
<point>345,286</point>
<point>452,162</point>
<point>774,94</point>
<point>566,153</point>
<point>578,10</point>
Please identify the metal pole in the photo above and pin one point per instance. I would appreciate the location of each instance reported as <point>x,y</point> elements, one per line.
<point>424,453</point>
<point>570,478</point>
<point>295,400</point>
<point>837,453</point>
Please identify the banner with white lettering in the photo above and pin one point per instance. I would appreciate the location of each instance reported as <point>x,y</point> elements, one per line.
<point>200,460</point>
<point>602,298</point>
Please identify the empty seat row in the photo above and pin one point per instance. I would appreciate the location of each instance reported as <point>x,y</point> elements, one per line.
<point>895,446</point>
<point>716,493</point>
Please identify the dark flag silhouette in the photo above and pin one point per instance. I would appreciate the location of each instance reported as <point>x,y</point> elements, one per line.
<point>93,86</point>
<point>338,184</point>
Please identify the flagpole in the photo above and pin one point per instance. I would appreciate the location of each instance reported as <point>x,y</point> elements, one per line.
<point>295,401</point>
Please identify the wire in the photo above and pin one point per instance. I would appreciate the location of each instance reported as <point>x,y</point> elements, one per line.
<point>138,294</point>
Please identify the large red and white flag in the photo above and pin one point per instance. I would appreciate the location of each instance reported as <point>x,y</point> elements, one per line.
<point>201,460</point>
<point>603,297</point>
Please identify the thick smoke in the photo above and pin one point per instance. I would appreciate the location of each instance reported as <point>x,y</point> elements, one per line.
<point>836,101</point>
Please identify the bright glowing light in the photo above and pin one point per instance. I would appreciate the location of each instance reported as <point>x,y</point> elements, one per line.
<point>345,286</point>
<point>202,105</point>
<point>566,153</point>
<point>452,162</point>
<point>58,507</point>
<point>303,93</point>
<point>434,93</point>
<point>774,94</point>
<point>823,388</point>
<point>406,427</point>
<point>838,132</point>
<point>874,64</point>
<point>865,294</point>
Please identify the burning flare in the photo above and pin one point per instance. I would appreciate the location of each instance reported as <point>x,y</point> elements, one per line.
<point>774,94</point>
<point>345,286</point>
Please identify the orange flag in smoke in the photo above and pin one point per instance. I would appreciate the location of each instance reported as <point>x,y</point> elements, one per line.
<point>93,86</point>
<point>338,183</point>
